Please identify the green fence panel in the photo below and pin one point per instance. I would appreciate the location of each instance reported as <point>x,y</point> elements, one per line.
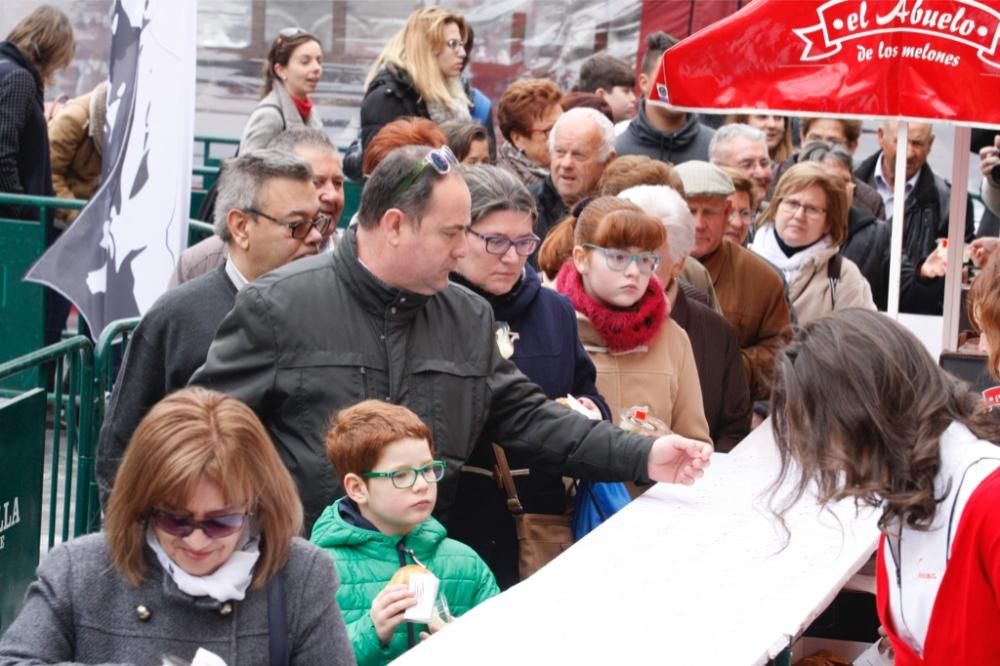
<point>352,201</point>
<point>22,447</point>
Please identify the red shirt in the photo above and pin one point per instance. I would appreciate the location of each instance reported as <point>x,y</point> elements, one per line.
<point>965,623</point>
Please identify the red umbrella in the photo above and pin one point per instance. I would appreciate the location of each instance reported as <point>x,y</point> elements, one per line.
<point>928,60</point>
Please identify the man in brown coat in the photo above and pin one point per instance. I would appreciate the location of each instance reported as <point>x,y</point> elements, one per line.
<point>76,142</point>
<point>750,291</point>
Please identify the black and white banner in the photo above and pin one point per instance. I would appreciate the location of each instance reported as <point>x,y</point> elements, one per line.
<point>115,259</point>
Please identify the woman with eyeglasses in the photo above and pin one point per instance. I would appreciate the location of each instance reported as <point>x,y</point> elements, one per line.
<point>292,70</point>
<point>537,327</point>
<point>418,73</point>
<point>604,261</point>
<point>199,550</point>
<point>801,233</point>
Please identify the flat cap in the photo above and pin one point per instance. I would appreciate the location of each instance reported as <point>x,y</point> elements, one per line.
<point>702,179</point>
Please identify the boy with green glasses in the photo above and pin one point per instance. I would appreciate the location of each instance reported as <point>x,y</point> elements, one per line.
<point>383,454</point>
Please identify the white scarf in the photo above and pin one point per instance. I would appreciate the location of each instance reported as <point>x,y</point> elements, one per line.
<point>227,583</point>
<point>765,243</point>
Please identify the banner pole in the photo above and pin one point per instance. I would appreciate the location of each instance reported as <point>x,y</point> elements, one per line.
<point>898,204</point>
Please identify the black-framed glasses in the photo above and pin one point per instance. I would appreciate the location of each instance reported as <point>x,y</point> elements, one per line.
<point>215,527</point>
<point>440,159</point>
<point>619,260</point>
<point>813,213</point>
<point>455,44</point>
<point>406,477</point>
<point>498,244</point>
<point>300,230</point>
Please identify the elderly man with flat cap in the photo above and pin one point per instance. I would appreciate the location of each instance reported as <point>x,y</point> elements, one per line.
<point>751,292</point>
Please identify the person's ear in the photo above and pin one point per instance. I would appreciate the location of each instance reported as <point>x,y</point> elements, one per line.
<point>580,260</point>
<point>238,223</point>
<point>392,225</point>
<point>517,139</point>
<point>279,71</point>
<point>643,86</point>
<point>356,488</point>
<point>930,143</point>
<point>602,93</point>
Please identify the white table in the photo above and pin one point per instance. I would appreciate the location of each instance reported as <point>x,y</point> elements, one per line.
<point>683,575</point>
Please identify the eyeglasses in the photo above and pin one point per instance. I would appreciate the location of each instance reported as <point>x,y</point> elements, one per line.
<point>619,260</point>
<point>406,477</point>
<point>440,159</point>
<point>792,206</point>
<point>497,244</point>
<point>300,230</point>
<point>216,527</point>
<point>455,45</point>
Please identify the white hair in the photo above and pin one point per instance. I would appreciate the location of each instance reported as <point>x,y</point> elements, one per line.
<point>669,207</point>
<point>604,126</point>
<point>728,133</point>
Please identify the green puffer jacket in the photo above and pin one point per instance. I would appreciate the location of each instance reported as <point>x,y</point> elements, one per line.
<point>365,561</point>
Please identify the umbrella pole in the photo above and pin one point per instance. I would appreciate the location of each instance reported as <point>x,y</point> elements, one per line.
<point>956,238</point>
<point>898,203</point>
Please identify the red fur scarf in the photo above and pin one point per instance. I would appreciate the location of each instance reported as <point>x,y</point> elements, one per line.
<point>621,330</point>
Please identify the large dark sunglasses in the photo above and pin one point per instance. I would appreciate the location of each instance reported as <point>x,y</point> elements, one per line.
<point>300,230</point>
<point>440,159</point>
<point>216,527</point>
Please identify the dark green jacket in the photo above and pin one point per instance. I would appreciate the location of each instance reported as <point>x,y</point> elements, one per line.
<point>323,333</point>
<point>366,560</point>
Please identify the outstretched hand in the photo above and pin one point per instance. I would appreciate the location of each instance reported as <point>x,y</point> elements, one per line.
<point>676,459</point>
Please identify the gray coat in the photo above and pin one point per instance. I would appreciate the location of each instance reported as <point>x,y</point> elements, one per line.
<point>275,113</point>
<point>82,611</point>
<point>323,333</point>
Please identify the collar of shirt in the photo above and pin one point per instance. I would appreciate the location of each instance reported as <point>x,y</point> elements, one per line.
<point>237,278</point>
<point>883,186</point>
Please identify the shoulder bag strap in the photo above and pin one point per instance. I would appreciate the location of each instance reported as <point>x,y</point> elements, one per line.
<point>277,621</point>
<point>507,481</point>
<point>833,268</point>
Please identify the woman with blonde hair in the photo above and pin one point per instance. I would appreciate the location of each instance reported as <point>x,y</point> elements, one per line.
<point>291,71</point>
<point>801,232</point>
<point>418,73</point>
<point>199,550</point>
<point>604,261</point>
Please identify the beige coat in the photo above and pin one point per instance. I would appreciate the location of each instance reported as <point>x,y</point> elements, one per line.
<point>810,292</point>
<point>662,376</point>
<point>75,134</point>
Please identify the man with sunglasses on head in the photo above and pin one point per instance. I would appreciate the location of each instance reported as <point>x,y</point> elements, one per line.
<point>380,319</point>
<point>268,214</point>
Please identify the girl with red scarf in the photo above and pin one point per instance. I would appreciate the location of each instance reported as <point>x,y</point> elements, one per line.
<point>604,261</point>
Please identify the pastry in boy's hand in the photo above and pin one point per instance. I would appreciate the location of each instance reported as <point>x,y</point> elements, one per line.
<point>402,576</point>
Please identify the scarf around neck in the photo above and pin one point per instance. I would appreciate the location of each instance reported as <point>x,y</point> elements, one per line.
<point>621,330</point>
<point>227,583</point>
<point>303,105</point>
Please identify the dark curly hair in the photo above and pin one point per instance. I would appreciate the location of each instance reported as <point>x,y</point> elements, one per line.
<point>859,406</point>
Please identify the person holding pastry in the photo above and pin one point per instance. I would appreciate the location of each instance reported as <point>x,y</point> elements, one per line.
<point>390,554</point>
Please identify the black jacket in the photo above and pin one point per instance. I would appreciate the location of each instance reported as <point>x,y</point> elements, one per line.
<point>867,245</point>
<point>24,137</point>
<point>925,220</point>
<point>323,333</point>
<point>724,390</point>
<point>390,95</point>
<point>551,210</point>
<point>688,143</point>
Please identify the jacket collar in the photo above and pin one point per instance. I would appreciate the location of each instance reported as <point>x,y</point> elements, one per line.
<point>644,131</point>
<point>377,297</point>
<point>512,305</point>
<point>10,52</point>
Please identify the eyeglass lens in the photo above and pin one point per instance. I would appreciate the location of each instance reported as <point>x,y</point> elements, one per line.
<point>214,528</point>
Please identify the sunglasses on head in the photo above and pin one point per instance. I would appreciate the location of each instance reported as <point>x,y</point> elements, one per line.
<point>291,32</point>
<point>440,159</point>
<point>215,527</point>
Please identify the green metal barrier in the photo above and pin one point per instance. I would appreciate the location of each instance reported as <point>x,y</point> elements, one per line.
<point>207,142</point>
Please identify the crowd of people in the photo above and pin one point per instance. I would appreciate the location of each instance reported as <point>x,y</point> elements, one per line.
<point>606,288</point>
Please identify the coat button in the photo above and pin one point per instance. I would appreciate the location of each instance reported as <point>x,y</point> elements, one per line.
<point>143,613</point>
<point>225,609</point>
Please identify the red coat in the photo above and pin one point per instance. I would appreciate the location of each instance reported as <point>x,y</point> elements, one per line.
<point>965,623</point>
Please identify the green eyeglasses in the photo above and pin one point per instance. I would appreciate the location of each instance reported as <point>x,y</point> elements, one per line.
<point>406,477</point>
<point>440,159</point>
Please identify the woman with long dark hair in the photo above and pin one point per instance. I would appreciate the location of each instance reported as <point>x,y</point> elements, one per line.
<point>862,411</point>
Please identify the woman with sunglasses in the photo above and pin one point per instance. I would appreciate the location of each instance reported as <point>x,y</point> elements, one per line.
<point>801,233</point>
<point>199,550</point>
<point>292,70</point>
<point>418,73</point>
<point>604,260</point>
<point>537,328</point>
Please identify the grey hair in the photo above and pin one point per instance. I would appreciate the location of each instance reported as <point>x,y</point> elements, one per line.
<point>825,151</point>
<point>304,137</point>
<point>604,126</point>
<point>669,207</point>
<point>381,185</point>
<point>728,133</point>
<point>241,179</point>
<point>496,189</point>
